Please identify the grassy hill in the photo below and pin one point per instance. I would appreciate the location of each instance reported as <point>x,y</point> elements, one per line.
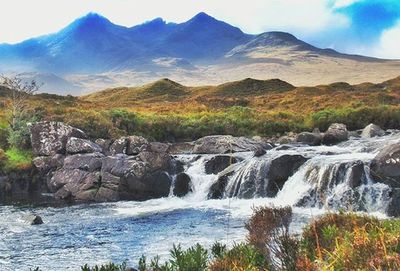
<point>166,110</point>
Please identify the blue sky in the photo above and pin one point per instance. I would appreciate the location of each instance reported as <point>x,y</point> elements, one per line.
<point>369,27</point>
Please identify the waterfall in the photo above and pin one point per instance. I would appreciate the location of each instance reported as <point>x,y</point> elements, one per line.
<point>325,177</point>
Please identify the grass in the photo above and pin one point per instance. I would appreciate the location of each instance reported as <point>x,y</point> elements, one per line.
<point>18,159</point>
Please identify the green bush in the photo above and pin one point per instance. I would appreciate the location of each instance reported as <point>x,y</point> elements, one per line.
<point>105,267</point>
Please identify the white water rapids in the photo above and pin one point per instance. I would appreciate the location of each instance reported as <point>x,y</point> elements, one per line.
<point>98,233</point>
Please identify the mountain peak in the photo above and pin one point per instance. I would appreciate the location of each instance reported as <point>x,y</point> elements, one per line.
<point>201,17</point>
<point>91,20</point>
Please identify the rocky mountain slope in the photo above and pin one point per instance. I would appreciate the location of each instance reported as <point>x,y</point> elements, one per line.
<point>93,53</point>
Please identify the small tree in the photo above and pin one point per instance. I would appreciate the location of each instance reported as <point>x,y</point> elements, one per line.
<point>20,92</point>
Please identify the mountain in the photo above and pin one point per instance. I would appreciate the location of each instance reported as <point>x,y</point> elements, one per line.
<point>92,53</point>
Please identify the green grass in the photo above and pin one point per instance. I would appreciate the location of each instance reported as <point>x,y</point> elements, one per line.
<point>18,159</point>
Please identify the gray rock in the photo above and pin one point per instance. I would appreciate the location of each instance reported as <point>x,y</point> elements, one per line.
<point>280,170</point>
<point>394,205</point>
<point>119,146</point>
<point>385,167</point>
<point>286,140</point>
<point>33,220</point>
<point>159,147</point>
<point>136,145</point>
<point>312,139</point>
<point>220,144</point>
<point>79,145</point>
<point>50,138</point>
<point>181,148</point>
<point>259,152</point>
<point>336,133</point>
<point>48,163</point>
<point>105,145</point>
<point>372,130</point>
<point>182,185</point>
<point>89,161</point>
<point>218,163</point>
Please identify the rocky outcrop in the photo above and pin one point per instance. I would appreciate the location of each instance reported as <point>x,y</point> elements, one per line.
<point>49,138</point>
<point>77,169</point>
<point>372,130</point>
<point>385,167</point>
<point>336,133</point>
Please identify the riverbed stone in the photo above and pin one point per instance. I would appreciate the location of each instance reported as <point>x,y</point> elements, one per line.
<point>312,139</point>
<point>89,161</point>
<point>182,185</point>
<point>336,133</point>
<point>372,130</point>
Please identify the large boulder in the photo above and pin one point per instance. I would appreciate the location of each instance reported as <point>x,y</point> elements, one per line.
<point>89,161</point>
<point>104,145</point>
<point>119,146</point>
<point>336,133</point>
<point>218,163</point>
<point>182,185</point>
<point>372,130</point>
<point>79,145</point>
<point>394,204</point>
<point>72,181</point>
<point>312,139</point>
<point>280,170</point>
<point>385,167</point>
<point>50,138</point>
<point>220,144</point>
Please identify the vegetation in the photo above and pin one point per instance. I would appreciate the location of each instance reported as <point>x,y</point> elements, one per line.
<point>331,242</point>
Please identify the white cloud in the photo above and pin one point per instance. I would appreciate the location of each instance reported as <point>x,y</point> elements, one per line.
<point>21,19</point>
<point>343,3</point>
<point>389,43</point>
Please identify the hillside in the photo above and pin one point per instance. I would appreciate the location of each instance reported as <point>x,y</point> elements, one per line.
<point>93,53</point>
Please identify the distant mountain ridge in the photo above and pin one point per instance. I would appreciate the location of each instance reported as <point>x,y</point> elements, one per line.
<point>93,53</point>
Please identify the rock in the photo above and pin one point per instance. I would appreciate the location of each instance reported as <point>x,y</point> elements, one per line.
<point>119,146</point>
<point>259,152</point>
<point>88,162</point>
<point>286,140</point>
<point>394,205</point>
<point>136,145</point>
<point>218,163</point>
<point>157,161</point>
<point>385,167</point>
<point>34,220</point>
<point>356,174</point>
<point>312,139</point>
<point>104,145</point>
<point>50,138</point>
<point>153,185</point>
<point>181,148</point>
<point>70,183</point>
<point>78,145</point>
<point>159,147</point>
<point>220,144</point>
<point>280,170</point>
<point>336,133</point>
<point>182,185</point>
<point>372,130</point>
<point>217,189</point>
<point>46,164</point>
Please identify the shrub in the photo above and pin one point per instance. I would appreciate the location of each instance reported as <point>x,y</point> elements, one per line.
<point>105,267</point>
<point>351,242</point>
<point>18,159</point>
<point>269,233</point>
<point>3,160</point>
<point>240,257</point>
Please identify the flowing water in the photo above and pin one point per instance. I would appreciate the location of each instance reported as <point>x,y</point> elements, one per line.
<point>100,233</point>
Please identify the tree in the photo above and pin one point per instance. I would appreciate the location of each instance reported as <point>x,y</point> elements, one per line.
<point>19,93</point>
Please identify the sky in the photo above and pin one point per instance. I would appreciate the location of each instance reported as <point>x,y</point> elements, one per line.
<point>368,27</point>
